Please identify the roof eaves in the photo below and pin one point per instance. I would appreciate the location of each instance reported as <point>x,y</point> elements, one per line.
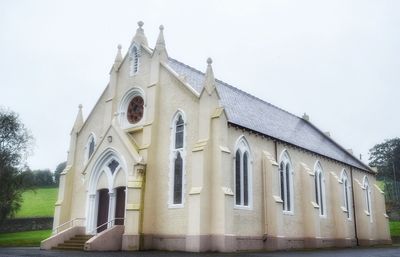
<point>367,169</point>
<point>340,147</point>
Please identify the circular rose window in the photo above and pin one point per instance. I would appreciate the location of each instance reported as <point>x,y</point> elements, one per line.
<point>135,109</point>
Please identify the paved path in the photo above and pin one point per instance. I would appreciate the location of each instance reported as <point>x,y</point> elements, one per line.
<point>353,252</point>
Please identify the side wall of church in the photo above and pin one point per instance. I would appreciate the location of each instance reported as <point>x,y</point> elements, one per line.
<point>304,222</point>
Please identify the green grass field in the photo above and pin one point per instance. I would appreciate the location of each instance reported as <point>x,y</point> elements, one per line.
<point>27,238</point>
<point>38,203</point>
<point>394,228</point>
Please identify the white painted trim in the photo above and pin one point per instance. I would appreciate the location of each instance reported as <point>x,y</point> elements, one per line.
<point>123,107</point>
<point>99,167</point>
<point>367,197</point>
<point>134,59</point>
<point>87,147</point>
<point>348,209</point>
<point>318,170</point>
<point>286,160</point>
<point>243,147</point>
<point>172,156</point>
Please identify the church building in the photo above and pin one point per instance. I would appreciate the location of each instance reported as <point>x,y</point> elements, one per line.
<point>171,158</point>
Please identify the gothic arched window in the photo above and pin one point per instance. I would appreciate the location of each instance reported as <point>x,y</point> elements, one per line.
<point>134,60</point>
<point>286,181</point>
<point>346,193</point>
<point>242,176</point>
<point>367,195</point>
<point>90,146</point>
<point>177,173</point>
<point>319,183</point>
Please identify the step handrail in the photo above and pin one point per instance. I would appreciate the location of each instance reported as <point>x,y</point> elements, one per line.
<point>94,231</point>
<point>55,230</point>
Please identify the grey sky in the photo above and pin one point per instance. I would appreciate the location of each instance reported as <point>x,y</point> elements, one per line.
<point>338,61</point>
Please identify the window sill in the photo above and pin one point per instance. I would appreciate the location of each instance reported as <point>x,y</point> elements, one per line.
<point>243,207</point>
<point>175,206</point>
<point>277,199</point>
<point>290,213</point>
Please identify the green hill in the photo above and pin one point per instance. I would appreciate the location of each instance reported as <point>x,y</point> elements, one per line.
<point>38,203</point>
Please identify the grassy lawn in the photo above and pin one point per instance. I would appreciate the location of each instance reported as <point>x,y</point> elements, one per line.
<point>394,228</point>
<point>38,203</point>
<point>27,238</point>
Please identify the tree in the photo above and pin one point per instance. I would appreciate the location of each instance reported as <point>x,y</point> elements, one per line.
<point>60,168</point>
<point>43,178</point>
<point>15,143</point>
<point>386,158</point>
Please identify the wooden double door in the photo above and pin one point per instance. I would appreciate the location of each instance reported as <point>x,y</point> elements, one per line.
<point>104,208</point>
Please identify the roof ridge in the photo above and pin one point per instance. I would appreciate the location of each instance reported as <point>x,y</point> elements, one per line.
<point>361,163</point>
<point>235,88</point>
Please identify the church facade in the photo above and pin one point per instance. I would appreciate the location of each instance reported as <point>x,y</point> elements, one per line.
<point>171,158</point>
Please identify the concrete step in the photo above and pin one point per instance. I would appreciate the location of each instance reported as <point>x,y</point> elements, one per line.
<point>74,243</point>
<point>80,248</point>
<point>70,244</point>
<point>84,236</point>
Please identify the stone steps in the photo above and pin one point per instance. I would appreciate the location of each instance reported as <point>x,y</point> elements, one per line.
<point>74,243</point>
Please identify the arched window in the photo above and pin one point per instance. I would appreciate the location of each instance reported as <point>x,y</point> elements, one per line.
<point>90,146</point>
<point>367,195</point>
<point>134,59</point>
<point>242,164</point>
<point>319,182</point>
<point>286,181</point>
<point>346,193</point>
<point>132,108</point>
<point>177,161</point>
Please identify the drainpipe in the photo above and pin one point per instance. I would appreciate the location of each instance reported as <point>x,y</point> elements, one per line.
<point>354,206</point>
<point>276,151</point>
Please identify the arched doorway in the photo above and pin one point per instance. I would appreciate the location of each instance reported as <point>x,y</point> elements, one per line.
<point>106,193</point>
<point>102,209</point>
<point>120,205</point>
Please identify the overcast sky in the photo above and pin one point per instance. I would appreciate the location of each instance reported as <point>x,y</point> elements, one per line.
<point>338,61</point>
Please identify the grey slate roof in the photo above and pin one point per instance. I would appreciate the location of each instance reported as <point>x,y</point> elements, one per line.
<point>257,115</point>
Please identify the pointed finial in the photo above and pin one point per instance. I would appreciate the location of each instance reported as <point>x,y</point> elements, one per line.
<point>78,120</point>
<point>140,24</point>
<point>160,39</point>
<point>159,49</point>
<point>209,83</point>
<point>118,57</point>
<point>139,37</point>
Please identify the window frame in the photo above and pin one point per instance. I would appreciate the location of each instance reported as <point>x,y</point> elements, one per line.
<point>287,183</point>
<point>87,154</point>
<point>319,186</point>
<point>173,156</point>
<point>242,147</point>
<point>346,194</point>
<point>123,108</point>
<point>367,196</point>
<point>134,59</point>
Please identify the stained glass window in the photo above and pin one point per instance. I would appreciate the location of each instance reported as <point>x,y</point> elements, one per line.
<point>91,147</point>
<point>179,130</point>
<point>178,179</point>
<point>135,109</point>
<point>113,166</point>
<point>237,178</point>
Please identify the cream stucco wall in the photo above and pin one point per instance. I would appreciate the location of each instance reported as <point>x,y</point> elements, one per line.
<point>208,204</point>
